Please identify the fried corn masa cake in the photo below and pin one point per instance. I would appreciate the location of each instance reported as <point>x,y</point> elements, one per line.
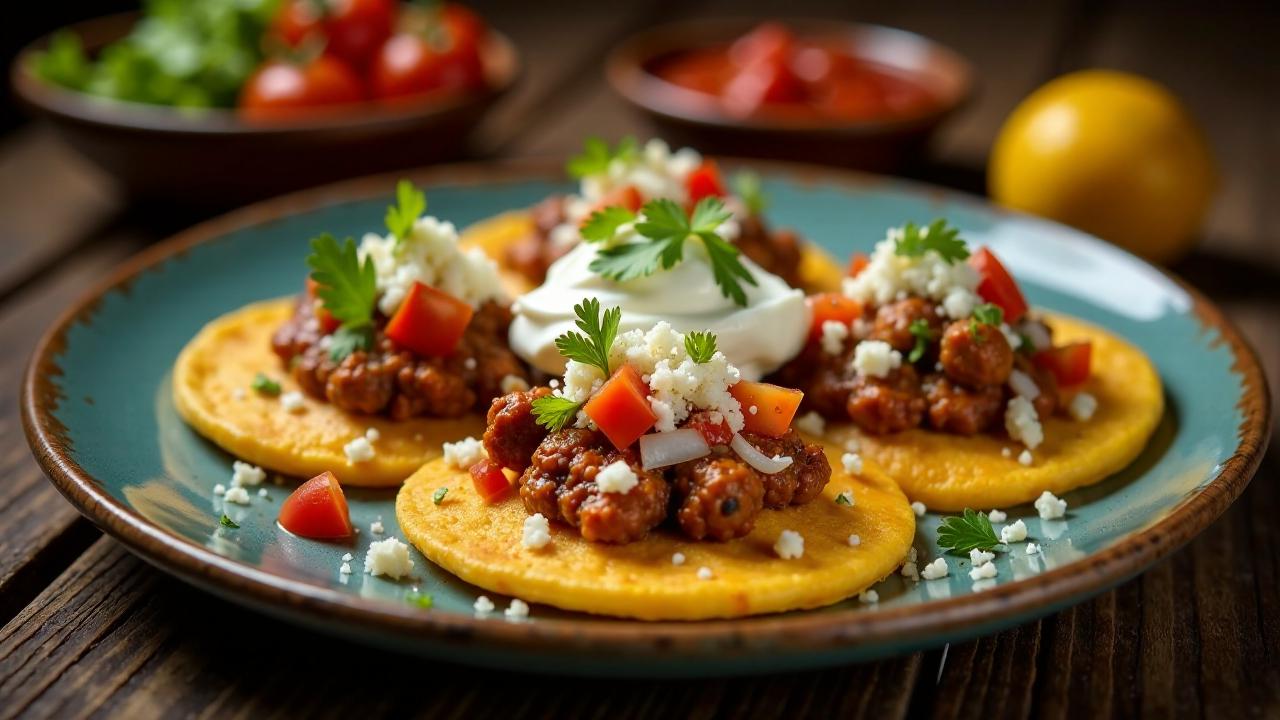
<point>526,242</point>
<point>654,483</point>
<point>397,345</point>
<point>931,359</point>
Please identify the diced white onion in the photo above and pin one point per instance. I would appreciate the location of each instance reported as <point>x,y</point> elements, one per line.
<point>658,450</point>
<point>756,459</point>
<point>1022,384</point>
<point>1036,333</point>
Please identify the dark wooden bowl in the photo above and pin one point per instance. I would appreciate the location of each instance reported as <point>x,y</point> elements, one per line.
<point>688,117</point>
<point>212,158</point>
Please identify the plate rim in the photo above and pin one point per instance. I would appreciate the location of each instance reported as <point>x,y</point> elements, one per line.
<point>825,632</point>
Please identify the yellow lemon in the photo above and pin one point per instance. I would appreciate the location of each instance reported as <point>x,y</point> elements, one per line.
<point>1111,153</point>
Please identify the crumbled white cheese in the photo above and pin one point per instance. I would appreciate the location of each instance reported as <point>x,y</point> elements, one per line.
<point>1013,532</point>
<point>845,498</point>
<point>869,597</point>
<point>811,423</point>
<point>852,463</point>
<point>1050,506</point>
<point>704,573</point>
<point>889,275</point>
<point>470,363</point>
<point>219,489</point>
<point>910,571</point>
<point>372,434</point>
<point>293,402</point>
<point>790,545</point>
<point>262,492</point>
<point>655,171</point>
<point>855,540</point>
<point>985,571</point>
<point>464,453</point>
<point>483,605</point>
<point>935,570</point>
<point>616,477</point>
<point>359,450</point>
<point>876,358</point>
<point>1025,458</point>
<point>517,610</point>
<point>1006,452</point>
<point>348,557</point>
<point>1015,341</point>
<point>834,334</point>
<point>1083,406</point>
<point>345,568</point>
<point>996,516</point>
<point>1022,384</point>
<point>1022,423</point>
<point>1032,548</point>
<point>389,558</point>
<point>513,383</point>
<point>429,255</point>
<point>245,475</point>
<point>852,445</point>
<point>537,532</point>
<point>980,557</point>
<point>918,508</point>
<point>677,558</point>
<point>912,554</point>
<point>237,495</point>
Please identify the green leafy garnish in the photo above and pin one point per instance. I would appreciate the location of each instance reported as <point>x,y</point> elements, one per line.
<point>970,531</point>
<point>596,156</point>
<point>667,227</point>
<point>700,346</point>
<point>265,385</point>
<point>604,223</point>
<point>986,314</point>
<point>420,600</point>
<point>438,496</point>
<point>747,186</point>
<point>919,328</point>
<point>410,204</point>
<point>938,236</point>
<point>348,289</point>
<point>554,412</point>
<point>843,499</point>
<point>346,340</point>
<point>593,349</point>
<point>227,522</point>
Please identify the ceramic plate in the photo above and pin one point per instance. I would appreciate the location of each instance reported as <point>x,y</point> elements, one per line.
<point>99,417</point>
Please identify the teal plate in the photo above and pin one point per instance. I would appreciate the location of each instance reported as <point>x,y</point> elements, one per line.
<point>98,415</point>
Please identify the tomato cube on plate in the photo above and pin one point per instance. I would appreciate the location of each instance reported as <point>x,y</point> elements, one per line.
<point>317,510</point>
<point>490,482</point>
<point>831,307</point>
<point>620,408</point>
<point>1069,364</point>
<point>997,286</point>
<point>774,406</point>
<point>429,322</point>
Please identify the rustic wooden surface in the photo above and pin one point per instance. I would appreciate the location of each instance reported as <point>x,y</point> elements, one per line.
<point>88,629</point>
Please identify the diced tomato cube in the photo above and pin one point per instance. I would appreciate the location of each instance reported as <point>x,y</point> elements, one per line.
<point>620,408</point>
<point>831,306</point>
<point>328,323</point>
<point>715,433</point>
<point>704,182</point>
<point>857,263</point>
<point>490,482</point>
<point>775,406</point>
<point>317,510</point>
<point>997,286</point>
<point>1070,364</point>
<point>429,322</point>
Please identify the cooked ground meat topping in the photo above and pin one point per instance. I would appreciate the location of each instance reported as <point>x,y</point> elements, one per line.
<point>393,381</point>
<point>718,498</point>
<point>975,354</point>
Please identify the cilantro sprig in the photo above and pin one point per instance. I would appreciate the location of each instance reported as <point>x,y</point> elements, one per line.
<point>553,412</point>
<point>592,348</point>
<point>701,346</point>
<point>596,156</point>
<point>410,204</point>
<point>604,223</point>
<point>227,522</point>
<point>747,186</point>
<point>938,236</point>
<point>666,227</point>
<point>919,328</point>
<point>969,531</point>
<point>985,314</point>
<point>348,289</point>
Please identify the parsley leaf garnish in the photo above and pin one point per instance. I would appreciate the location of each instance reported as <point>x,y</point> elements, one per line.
<point>348,289</point>
<point>747,186</point>
<point>594,348</point>
<point>923,335</point>
<point>596,156</point>
<point>843,499</point>
<point>265,385</point>
<point>420,599</point>
<point>227,522</point>
<point>604,223</point>
<point>667,227</point>
<point>346,340</point>
<point>700,346</point>
<point>938,236</point>
<point>410,204</point>
<point>553,412</point>
<point>438,496</point>
<point>970,531</point>
<point>985,314</point>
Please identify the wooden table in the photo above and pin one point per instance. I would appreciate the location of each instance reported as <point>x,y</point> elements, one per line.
<point>91,630</point>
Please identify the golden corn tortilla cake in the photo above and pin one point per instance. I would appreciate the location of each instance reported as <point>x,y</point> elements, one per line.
<point>211,390</point>
<point>952,472</point>
<point>481,544</point>
<point>818,271</point>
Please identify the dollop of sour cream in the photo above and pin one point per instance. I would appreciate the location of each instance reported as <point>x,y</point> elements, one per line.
<point>757,338</point>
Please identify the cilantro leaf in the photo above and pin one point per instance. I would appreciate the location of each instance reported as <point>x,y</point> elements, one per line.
<point>664,221</point>
<point>438,496</point>
<point>985,314</point>
<point>701,346</point>
<point>727,269</point>
<point>593,349</point>
<point>708,215</point>
<point>265,385</point>
<point>348,287</point>
<point>919,328</point>
<point>596,156</point>
<point>938,236</point>
<point>604,223</point>
<point>970,531</point>
<point>227,522</point>
<point>843,499</point>
<point>634,260</point>
<point>553,412</point>
<point>348,339</point>
<point>420,599</point>
<point>410,204</point>
<point>747,186</point>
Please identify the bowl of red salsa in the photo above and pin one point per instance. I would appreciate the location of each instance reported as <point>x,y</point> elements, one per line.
<point>833,92</point>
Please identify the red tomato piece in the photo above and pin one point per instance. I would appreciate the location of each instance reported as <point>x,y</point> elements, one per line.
<point>857,263</point>
<point>714,433</point>
<point>768,43</point>
<point>620,408</point>
<point>831,306</point>
<point>753,88</point>
<point>429,322</point>
<point>490,482</point>
<point>328,323</point>
<point>775,406</point>
<point>351,30</point>
<point>998,286</point>
<point>410,65</point>
<point>281,90</point>
<point>705,181</point>
<point>1070,363</point>
<point>317,510</point>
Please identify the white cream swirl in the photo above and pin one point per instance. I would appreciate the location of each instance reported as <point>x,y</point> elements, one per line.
<point>757,338</point>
